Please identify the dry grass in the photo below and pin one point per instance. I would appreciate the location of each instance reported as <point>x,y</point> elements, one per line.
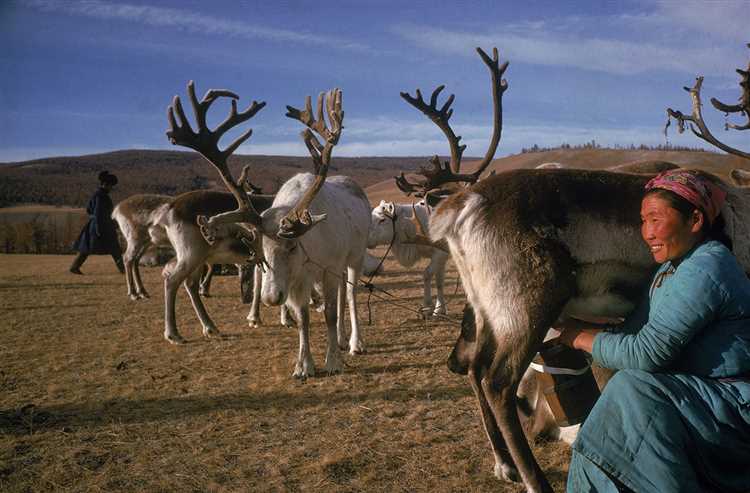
<point>92,398</point>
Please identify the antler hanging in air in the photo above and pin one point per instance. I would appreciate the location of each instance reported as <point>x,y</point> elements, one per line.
<point>698,125</point>
<point>206,142</point>
<point>299,220</point>
<point>442,173</point>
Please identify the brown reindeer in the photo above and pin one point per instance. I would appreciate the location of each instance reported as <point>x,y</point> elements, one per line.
<point>232,245</point>
<point>532,246</point>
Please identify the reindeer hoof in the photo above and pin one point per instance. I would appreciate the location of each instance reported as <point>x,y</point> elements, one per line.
<point>254,324</point>
<point>303,370</point>
<point>439,310</point>
<point>507,473</point>
<point>212,332</point>
<point>357,350</point>
<point>144,295</point>
<point>176,339</point>
<point>134,297</point>
<point>303,374</point>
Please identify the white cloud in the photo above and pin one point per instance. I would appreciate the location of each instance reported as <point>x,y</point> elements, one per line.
<point>672,38</point>
<point>382,136</point>
<point>189,21</point>
<point>726,19</point>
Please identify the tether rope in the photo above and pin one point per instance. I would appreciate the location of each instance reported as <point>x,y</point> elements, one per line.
<point>371,287</point>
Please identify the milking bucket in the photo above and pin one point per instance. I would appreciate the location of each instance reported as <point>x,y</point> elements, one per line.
<point>565,378</point>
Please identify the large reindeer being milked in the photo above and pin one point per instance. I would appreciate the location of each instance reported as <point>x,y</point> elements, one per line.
<point>532,246</point>
<point>315,229</point>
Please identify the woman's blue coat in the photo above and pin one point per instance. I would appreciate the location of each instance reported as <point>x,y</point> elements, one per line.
<point>676,418</point>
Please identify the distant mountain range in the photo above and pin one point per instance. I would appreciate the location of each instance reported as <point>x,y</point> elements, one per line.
<point>70,181</point>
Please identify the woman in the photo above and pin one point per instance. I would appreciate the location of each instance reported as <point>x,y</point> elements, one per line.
<point>676,417</point>
<point>99,236</point>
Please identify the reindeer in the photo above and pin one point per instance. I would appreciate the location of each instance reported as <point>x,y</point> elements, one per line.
<point>143,220</point>
<point>137,216</point>
<point>392,225</point>
<point>193,252</point>
<point>315,229</point>
<point>532,246</point>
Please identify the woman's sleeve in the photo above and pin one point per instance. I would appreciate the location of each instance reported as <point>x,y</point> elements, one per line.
<point>692,302</point>
<point>635,320</point>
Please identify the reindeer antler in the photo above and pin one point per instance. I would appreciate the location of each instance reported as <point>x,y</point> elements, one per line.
<point>246,184</point>
<point>695,119</point>
<point>442,173</point>
<point>744,105</point>
<point>440,118</point>
<point>299,220</point>
<point>206,142</point>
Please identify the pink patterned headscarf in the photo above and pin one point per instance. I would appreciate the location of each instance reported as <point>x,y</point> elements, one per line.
<point>691,186</point>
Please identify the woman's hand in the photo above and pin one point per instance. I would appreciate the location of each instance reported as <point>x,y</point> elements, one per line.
<point>577,334</point>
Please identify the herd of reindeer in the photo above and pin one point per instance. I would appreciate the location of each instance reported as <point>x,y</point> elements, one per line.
<point>530,246</point>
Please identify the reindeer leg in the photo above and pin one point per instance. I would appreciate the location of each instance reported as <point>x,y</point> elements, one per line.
<point>499,386</point>
<point>128,259</point>
<point>174,273</point>
<point>192,287</point>
<point>285,317</point>
<point>356,344</point>
<point>253,318</point>
<point>205,280</point>
<point>438,261</point>
<point>340,318</point>
<point>504,466</point>
<point>334,363</point>
<point>305,366</point>
<point>135,273</point>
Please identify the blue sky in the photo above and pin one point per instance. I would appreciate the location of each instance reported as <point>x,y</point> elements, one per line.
<point>87,76</point>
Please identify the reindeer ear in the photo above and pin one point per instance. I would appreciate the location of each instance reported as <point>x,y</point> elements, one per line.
<point>382,203</point>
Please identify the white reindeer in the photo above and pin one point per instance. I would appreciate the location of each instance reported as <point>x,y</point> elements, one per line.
<point>315,229</point>
<point>392,224</point>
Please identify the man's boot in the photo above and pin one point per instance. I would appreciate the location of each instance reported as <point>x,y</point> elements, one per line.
<point>75,267</point>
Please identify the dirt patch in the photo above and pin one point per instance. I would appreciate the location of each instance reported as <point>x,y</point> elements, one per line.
<point>93,398</point>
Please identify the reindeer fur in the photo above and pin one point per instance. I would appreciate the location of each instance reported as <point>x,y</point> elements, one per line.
<point>530,246</point>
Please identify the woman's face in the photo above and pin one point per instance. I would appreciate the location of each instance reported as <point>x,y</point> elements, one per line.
<point>668,235</point>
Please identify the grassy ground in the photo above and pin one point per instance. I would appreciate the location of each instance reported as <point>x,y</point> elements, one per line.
<point>93,399</point>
